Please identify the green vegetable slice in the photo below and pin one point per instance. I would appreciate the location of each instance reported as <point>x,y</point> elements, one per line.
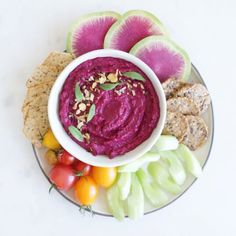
<point>135,200</point>
<point>91,112</point>
<point>134,75</point>
<point>135,165</point>
<point>176,168</point>
<point>76,133</point>
<point>124,183</point>
<point>78,94</point>
<point>163,178</point>
<point>191,162</point>
<point>108,86</point>
<point>115,204</point>
<point>167,142</point>
<point>153,192</point>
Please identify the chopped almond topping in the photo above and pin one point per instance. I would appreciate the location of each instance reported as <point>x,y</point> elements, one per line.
<point>75,106</point>
<point>92,97</point>
<point>77,112</point>
<point>82,106</point>
<point>80,124</point>
<point>112,77</point>
<point>94,85</point>
<point>102,79</point>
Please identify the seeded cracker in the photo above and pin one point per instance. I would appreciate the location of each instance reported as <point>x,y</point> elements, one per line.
<point>183,105</point>
<point>197,133</point>
<point>198,93</point>
<point>176,125</point>
<point>171,86</point>
<point>39,86</point>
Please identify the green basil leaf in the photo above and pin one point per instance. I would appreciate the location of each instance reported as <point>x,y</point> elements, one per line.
<point>108,86</point>
<point>78,94</point>
<point>134,75</point>
<point>76,133</point>
<point>91,113</point>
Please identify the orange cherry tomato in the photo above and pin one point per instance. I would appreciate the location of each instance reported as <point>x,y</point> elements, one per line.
<point>104,176</point>
<point>86,190</point>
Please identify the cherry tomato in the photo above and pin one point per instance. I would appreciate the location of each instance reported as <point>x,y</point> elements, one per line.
<point>86,190</point>
<point>82,168</point>
<point>50,141</point>
<point>51,157</point>
<point>62,176</point>
<point>65,158</point>
<point>104,176</point>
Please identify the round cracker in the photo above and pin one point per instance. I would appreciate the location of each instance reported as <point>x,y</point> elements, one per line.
<point>197,133</point>
<point>171,86</point>
<point>198,93</point>
<point>176,124</point>
<point>183,105</point>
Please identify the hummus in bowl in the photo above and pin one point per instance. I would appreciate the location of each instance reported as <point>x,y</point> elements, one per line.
<point>107,108</point>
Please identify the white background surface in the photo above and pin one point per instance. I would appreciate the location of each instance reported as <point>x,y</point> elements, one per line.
<point>29,30</point>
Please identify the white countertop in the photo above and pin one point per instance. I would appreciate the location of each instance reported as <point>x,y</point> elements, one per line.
<point>29,30</point>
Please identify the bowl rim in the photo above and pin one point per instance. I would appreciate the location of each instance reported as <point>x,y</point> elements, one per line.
<point>75,149</point>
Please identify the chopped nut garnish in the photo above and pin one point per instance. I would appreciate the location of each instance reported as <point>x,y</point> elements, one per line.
<point>77,112</point>
<point>88,104</point>
<point>112,77</point>
<point>82,106</point>
<point>92,97</point>
<point>94,85</point>
<point>135,85</point>
<point>102,79</point>
<point>141,85</point>
<point>87,136</point>
<point>75,106</point>
<point>86,92</point>
<point>84,87</point>
<point>80,124</point>
<point>129,85</point>
<point>133,92</point>
<point>90,78</point>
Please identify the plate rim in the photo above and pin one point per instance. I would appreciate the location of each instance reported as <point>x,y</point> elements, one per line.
<point>157,209</point>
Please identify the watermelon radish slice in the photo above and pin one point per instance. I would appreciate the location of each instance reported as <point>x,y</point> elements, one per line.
<point>89,31</point>
<point>132,27</point>
<point>164,57</point>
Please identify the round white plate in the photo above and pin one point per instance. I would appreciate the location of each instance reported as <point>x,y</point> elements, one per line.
<point>100,206</point>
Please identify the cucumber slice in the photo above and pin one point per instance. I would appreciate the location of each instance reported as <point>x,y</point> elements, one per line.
<point>135,200</point>
<point>114,203</point>
<point>124,183</point>
<point>191,162</point>
<point>153,192</point>
<point>134,166</point>
<point>163,178</point>
<point>166,143</point>
<point>176,168</point>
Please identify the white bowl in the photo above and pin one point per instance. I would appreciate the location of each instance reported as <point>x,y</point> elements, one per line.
<point>76,150</point>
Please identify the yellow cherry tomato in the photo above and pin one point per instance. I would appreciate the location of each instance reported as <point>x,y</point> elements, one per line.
<point>50,141</point>
<point>104,176</point>
<point>51,157</point>
<point>86,190</point>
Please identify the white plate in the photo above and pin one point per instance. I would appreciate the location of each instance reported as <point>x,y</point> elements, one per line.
<point>100,206</point>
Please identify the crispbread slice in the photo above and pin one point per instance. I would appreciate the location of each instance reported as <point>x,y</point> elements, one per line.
<point>197,133</point>
<point>42,74</point>
<point>183,105</point>
<point>198,93</point>
<point>58,59</point>
<point>171,85</point>
<point>36,123</point>
<point>176,124</point>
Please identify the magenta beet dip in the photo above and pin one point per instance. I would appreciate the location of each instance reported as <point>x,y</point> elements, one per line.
<point>125,116</point>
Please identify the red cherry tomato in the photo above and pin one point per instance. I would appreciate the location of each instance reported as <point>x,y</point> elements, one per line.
<point>62,176</point>
<point>82,168</point>
<point>65,158</point>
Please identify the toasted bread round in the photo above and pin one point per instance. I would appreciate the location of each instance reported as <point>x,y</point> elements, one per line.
<point>198,93</point>
<point>176,124</point>
<point>183,105</point>
<point>171,86</point>
<point>197,132</point>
